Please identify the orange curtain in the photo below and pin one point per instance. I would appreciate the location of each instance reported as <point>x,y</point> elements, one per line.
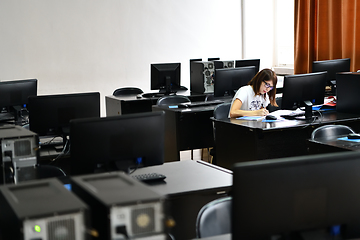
<point>326,29</point>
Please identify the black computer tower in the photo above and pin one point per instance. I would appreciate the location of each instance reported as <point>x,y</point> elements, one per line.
<point>202,77</point>
<point>121,207</point>
<point>42,209</point>
<point>19,153</point>
<point>223,64</point>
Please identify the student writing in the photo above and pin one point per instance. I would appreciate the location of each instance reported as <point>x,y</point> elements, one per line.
<point>252,99</point>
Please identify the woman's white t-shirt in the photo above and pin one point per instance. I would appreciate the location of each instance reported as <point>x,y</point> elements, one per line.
<point>250,101</point>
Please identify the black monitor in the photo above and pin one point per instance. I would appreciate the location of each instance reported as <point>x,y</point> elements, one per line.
<point>248,62</point>
<point>229,80</point>
<point>14,94</point>
<point>303,90</point>
<point>117,143</point>
<point>165,77</point>
<point>347,94</point>
<point>332,67</point>
<point>297,195</point>
<point>50,115</point>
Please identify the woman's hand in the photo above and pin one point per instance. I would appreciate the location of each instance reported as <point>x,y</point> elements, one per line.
<point>261,112</point>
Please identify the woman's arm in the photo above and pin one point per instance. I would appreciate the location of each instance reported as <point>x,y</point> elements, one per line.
<point>236,112</point>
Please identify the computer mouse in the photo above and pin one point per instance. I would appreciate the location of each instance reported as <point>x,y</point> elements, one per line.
<point>270,117</point>
<point>353,136</point>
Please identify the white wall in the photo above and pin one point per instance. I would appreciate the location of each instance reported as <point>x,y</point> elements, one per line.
<point>91,45</point>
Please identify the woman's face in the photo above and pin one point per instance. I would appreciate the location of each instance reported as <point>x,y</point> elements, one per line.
<point>266,86</point>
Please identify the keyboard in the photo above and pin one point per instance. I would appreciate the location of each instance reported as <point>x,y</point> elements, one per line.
<point>293,115</point>
<point>149,177</point>
<point>201,104</point>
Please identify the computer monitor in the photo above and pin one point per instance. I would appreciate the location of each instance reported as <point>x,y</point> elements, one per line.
<point>347,94</point>
<point>117,143</point>
<point>297,194</point>
<point>14,94</point>
<point>303,90</point>
<point>248,62</point>
<point>229,80</point>
<point>332,67</point>
<point>50,115</point>
<point>165,77</point>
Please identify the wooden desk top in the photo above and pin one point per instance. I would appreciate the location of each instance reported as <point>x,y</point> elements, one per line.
<point>188,176</point>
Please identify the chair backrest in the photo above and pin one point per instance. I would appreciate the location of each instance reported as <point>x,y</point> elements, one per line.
<point>331,131</point>
<point>172,99</point>
<point>221,111</point>
<point>127,91</point>
<point>214,218</point>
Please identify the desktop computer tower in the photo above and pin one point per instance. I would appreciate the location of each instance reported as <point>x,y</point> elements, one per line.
<point>121,207</point>
<point>42,209</point>
<point>223,64</point>
<point>202,77</point>
<point>19,151</point>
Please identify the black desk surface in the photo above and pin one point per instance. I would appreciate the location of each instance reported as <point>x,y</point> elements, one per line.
<point>240,140</point>
<point>321,145</point>
<point>187,176</point>
<point>325,117</point>
<point>188,186</point>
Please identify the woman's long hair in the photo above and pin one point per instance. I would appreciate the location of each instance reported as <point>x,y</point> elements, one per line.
<point>265,75</point>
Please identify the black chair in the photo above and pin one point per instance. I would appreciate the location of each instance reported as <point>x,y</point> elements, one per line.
<point>125,91</point>
<point>331,131</point>
<point>172,99</point>
<point>214,218</point>
<point>221,111</point>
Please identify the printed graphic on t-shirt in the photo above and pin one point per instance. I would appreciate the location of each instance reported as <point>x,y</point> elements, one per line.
<point>255,105</point>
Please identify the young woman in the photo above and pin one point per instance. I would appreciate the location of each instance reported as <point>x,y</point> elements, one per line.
<point>252,99</point>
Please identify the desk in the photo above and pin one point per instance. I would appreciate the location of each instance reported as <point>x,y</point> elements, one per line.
<point>186,129</point>
<point>240,140</point>
<point>132,104</point>
<point>321,145</point>
<point>189,185</point>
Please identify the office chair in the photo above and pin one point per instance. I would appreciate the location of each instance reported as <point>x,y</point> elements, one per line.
<point>172,100</point>
<point>331,131</point>
<point>214,218</point>
<point>221,111</point>
<point>127,91</point>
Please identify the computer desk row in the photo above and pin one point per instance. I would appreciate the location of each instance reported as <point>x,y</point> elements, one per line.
<point>241,140</point>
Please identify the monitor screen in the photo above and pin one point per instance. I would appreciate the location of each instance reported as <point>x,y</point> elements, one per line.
<point>248,62</point>
<point>165,77</point>
<point>14,94</point>
<point>229,80</point>
<point>291,196</point>
<point>117,143</point>
<point>302,90</point>
<point>49,115</point>
<point>332,67</point>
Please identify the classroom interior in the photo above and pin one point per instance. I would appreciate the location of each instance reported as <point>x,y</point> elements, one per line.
<point>81,159</point>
